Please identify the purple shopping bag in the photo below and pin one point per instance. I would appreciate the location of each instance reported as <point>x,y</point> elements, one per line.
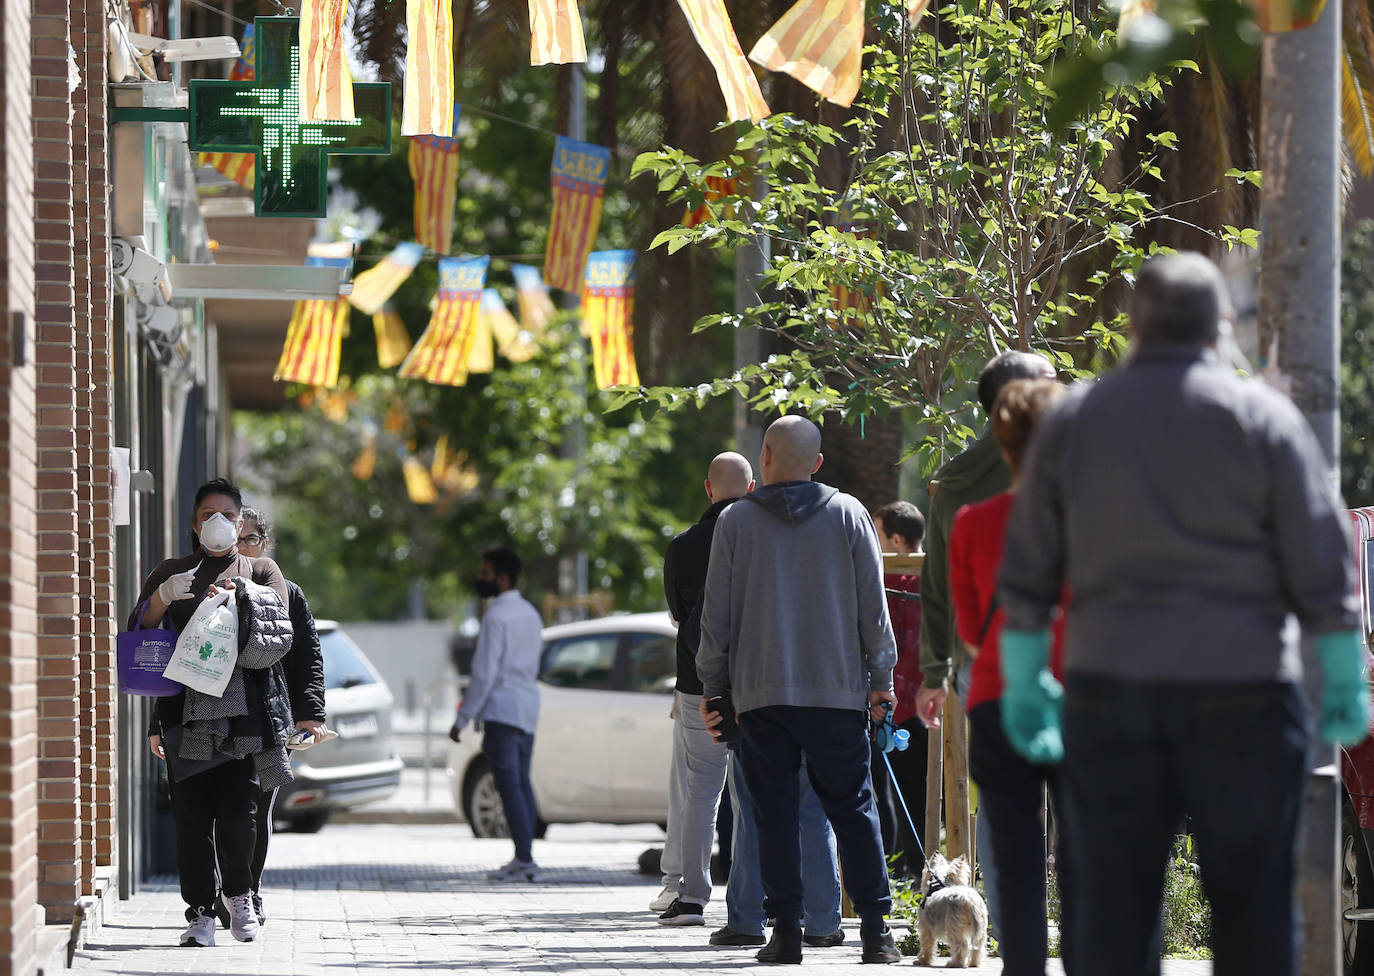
<point>142,655</point>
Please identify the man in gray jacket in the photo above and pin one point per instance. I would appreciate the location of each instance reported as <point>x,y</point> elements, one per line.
<point>1193,517</point>
<point>795,639</point>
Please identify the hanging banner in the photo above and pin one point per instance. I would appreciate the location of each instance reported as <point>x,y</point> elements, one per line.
<point>481,358</point>
<point>393,341</point>
<point>851,302</point>
<point>442,353</point>
<point>419,485</point>
<point>434,168</point>
<point>373,287</point>
<point>504,329</point>
<point>556,32</point>
<point>366,461</point>
<point>579,185</point>
<point>608,311</point>
<point>1280,16</point>
<point>326,85</point>
<point>716,187</point>
<point>712,28</point>
<point>532,299</point>
<point>820,43</point>
<point>311,351</point>
<point>237,166</point>
<point>428,106</point>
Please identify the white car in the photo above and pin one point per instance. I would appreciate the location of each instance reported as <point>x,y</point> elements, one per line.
<point>604,738</point>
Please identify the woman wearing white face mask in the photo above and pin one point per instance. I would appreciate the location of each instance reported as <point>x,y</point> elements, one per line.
<point>214,800</point>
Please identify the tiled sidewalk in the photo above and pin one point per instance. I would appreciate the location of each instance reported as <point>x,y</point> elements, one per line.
<point>389,898</point>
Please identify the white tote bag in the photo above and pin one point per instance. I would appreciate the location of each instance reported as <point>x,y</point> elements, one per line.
<point>208,648</point>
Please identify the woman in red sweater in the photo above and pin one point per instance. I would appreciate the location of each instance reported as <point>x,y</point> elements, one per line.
<point>1009,786</point>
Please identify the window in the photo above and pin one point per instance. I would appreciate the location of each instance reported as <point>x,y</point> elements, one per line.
<point>581,662</point>
<point>651,663</point>
<point>344,665</point>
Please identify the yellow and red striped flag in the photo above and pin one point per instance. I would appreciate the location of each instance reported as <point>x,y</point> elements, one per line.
<point>608,309</point>
<point>711,25</point>
<point>239,167</point>
<point>442,353</point>
<point>820,43</point>
<point>532,299</point>
<point>579,187</point>
<point>393,341</point>
<point>510,342</point>
<point>311,351</point>
<point>434,168</point>
<point>366,462</point>
<point>373,287</point>
<point>1278,16</point>
<point>428,105</point>
<point>716,187</point>
<point>481,358</point>
<point>556,32</point>
<point>851,302</point>
<point>326,86</point>
<point>419,485</point>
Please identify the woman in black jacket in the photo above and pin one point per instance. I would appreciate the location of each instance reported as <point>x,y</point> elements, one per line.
<point>215,789</point>
<point>304,670</point>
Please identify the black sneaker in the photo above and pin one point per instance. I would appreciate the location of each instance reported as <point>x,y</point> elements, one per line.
<point>880,948</point>
<point>257,908</point>
<point>729,937</point>
<point>824,941</point>
<point>220,911</point>
<point>682,913</point>
<point>785,947</point>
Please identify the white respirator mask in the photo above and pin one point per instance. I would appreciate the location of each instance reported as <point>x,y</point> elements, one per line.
<point>218,534</point>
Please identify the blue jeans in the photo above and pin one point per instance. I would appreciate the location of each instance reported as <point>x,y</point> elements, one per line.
<point>820,875</point>
<point>508,750</point>
<point>834,743</point>
<point>1138,756</point>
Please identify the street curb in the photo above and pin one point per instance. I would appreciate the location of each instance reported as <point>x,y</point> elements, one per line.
<point>394,816</point>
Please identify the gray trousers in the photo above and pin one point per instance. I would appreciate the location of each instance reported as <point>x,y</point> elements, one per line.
<point>696,777</point>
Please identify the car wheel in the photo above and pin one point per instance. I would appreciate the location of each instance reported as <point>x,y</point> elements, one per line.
<point>482,806</point>
<point>310,823</point>
<point>1357,891</point>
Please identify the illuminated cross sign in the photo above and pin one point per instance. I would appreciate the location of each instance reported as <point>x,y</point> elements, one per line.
<point>262,116</point>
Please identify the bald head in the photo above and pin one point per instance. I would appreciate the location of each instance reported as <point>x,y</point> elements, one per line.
<point>791,450</point>
<point>729,476</point>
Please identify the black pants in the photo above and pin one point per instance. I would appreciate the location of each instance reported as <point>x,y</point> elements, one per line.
<point>263,818</point>
<point>1009,791</point>
<point>1137,756</point>
<point>835,743</point>
<point>909,769</point>
<point>216,811</point>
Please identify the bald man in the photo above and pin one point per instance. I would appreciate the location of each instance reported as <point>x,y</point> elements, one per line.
<point>697,771</point>
<point>796,641</point>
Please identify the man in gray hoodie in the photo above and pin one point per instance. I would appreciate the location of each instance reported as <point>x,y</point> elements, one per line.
<point>795,640</point>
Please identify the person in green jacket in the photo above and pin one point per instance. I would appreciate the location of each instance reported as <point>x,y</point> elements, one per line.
<point>972,476</point>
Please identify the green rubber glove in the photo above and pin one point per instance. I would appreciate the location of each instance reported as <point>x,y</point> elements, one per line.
<point>1345,688</point>
<point>1032,701</point>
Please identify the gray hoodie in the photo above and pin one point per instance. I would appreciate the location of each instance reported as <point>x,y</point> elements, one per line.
<point>794,611</point>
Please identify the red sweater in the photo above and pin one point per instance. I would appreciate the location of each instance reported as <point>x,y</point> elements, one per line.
<point>906,627</point>
<point>975,556</point>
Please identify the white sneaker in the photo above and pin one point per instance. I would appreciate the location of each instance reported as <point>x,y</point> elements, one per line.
<point>515,870</point>
<point>200,932</point>
<point>243,920</point>
<point>665,899</point>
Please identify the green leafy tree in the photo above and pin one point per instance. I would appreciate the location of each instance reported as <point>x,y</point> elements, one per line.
<point>966,226</point>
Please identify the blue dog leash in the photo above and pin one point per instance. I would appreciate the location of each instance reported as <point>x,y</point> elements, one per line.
<point>888,737</point>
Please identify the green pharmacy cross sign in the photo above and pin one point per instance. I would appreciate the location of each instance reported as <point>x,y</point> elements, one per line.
<point>262,116</point>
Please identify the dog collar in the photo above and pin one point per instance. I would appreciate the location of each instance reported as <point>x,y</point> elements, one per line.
<point>935,885</point>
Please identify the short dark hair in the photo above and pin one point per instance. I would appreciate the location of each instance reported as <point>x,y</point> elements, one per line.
<point>1007,366</point>
<point>1179,299</point>
<point>218,486</point>
<point>504,561</point>
<point>903,519</point>
<point>258,518</point>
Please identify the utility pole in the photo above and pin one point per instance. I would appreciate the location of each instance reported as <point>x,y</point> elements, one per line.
<point>1299,291</point>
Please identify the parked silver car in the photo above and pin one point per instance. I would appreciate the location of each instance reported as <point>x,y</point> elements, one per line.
<point>604,737</point>
<point>361,765</point>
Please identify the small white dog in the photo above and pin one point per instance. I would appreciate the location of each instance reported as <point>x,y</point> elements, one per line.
<point>951,912</point>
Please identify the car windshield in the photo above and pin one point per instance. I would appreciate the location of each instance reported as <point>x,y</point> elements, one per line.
<point>344,664</point>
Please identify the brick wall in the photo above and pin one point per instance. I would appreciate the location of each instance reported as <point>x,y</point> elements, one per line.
<point>59,686</point>
<point>20,915</point>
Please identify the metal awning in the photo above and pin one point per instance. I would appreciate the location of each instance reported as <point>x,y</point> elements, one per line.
<point>259,282</point>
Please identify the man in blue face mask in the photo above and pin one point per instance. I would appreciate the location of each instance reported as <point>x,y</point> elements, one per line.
<point>504,696</point>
